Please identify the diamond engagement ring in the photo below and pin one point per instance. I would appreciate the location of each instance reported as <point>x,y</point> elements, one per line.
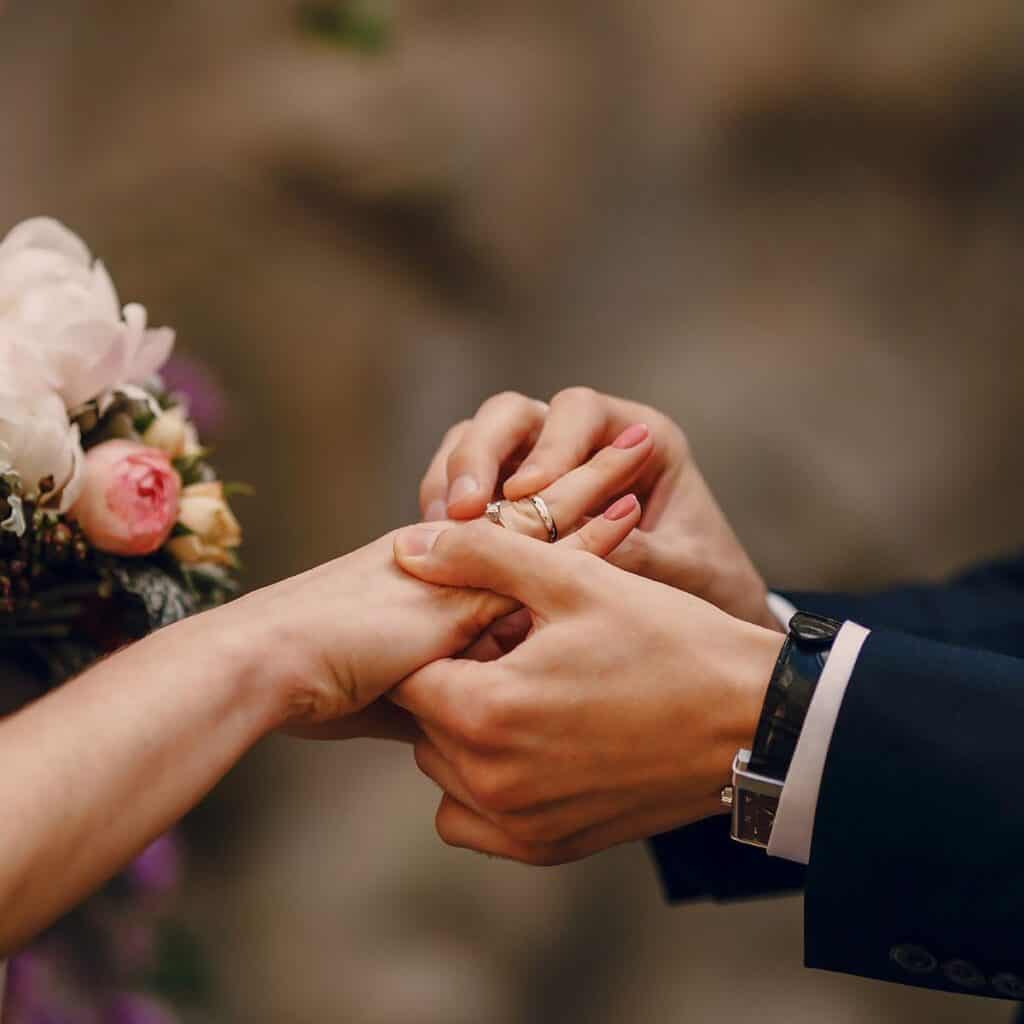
<point>494,512</point>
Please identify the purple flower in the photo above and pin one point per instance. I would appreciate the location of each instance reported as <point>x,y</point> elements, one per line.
<point>197,384</point>
<point>137,1009</point>
<point>27,979</point>
<point>41,1015</point>
<point>158,868</point>
<point>35,995</point>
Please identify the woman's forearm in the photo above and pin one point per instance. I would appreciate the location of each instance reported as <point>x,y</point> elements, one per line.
<point>93,772</point>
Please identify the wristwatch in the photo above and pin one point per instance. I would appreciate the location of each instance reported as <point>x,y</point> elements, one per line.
<point>758,774</point>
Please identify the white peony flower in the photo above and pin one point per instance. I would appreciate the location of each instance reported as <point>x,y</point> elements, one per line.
<point>20,373</point>
<point>38,443</point>
<point>62,306</point>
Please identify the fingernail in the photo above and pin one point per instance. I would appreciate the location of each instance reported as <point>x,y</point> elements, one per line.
<point>632,436</point>
<point>525,472</point>
<point>622,508</point>
<point>462,488</point>
<point>436,510</point>
<point>417,541</point>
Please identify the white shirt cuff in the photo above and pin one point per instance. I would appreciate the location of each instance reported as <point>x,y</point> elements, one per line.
<point>782,609</point>
<point>794,819</point>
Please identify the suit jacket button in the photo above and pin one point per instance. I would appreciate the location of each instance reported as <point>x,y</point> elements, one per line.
<point>1009,985</point>
<point>915,959</point>
<point>963,973</point>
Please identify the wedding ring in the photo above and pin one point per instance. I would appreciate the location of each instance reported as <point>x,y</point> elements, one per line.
<point>545,516</point>
<point>494,512</point>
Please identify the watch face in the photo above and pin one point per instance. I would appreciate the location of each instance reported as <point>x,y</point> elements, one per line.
<point>754,816</point>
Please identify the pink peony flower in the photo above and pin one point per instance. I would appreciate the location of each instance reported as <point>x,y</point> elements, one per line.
<point>129,501</point>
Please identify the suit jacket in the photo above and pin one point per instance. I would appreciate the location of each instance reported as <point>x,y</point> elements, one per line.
<point>916,872</point>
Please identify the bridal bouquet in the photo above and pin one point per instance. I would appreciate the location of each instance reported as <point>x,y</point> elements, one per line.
<point>112,520</point>
<point>113,523</point>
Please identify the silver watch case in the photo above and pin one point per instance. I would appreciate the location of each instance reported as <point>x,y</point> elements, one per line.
<point>754,800</point>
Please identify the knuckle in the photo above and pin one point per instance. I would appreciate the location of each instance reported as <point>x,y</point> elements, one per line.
<point>533,828</point>
<point>594,479</point>
<point>481,611</point>
<point>587,543</point>
<point>455,441</point>
<point>670,436</point>
<point>460,457</point>
<point>473,610</point>
<point>577,395</point>
<point>683,449</point>
<point>564,594</point>
<point>636,554</point>
<point>444,824</point>
<point>422,755</point>
<point>547,453</point>
<point>461,543</point>
<point>693,564</point>
<point>469,538</point>
<point>494,713</point>
<point>510,399</point>
<point>455,431</point>
<point>494,790</point>
<point>482,721</point>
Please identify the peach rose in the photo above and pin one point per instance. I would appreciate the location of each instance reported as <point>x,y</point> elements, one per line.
<point>173,434</point>
<point>214,532</point>
<point>129,501</point>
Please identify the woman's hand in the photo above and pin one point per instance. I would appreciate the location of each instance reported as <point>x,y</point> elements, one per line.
<point>343,634</point>
<point>616,719</point>
<point>517,445</point>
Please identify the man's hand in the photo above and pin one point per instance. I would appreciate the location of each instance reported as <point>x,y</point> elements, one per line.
<point>517,446</point>
<point>617,718</point>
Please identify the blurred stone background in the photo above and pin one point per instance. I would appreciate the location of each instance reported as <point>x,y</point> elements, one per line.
<point>795,226</point>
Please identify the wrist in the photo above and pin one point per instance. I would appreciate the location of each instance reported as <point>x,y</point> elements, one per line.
<point>258,672</point>
<point>747,674</point>
<point>768,619</point>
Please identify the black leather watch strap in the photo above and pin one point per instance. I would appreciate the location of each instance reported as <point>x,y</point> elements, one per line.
<point>792,686</point>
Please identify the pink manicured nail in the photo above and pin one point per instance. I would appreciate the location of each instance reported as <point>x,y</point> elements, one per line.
<point>417,541</point>
<point>632,436</point>
<point>622,508</point>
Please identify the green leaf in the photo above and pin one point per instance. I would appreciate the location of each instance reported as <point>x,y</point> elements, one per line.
<point>143,423</point>
<point>361,25</point>
<point>243,490</point>
<point>193,469</point>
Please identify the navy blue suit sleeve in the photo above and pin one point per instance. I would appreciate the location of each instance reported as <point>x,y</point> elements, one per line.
<point>917,861</point>
<point>982,608</point>
<point>701,861</point>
